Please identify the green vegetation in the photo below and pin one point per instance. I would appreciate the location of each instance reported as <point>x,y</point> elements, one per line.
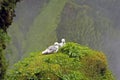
<point>4,39</point>
<point>72,62</point>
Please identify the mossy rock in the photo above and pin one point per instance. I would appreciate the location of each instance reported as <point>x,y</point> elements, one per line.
<point>71,62</point>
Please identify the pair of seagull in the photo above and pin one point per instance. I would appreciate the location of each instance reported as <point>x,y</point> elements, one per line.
<point>54,48</point>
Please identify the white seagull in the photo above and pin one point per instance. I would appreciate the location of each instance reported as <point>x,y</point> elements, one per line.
<point>62,43</point>
<point>52,49</point>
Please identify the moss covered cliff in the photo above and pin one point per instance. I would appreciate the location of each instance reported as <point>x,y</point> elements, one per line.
<point>6,17</point>
<point>71,62</point>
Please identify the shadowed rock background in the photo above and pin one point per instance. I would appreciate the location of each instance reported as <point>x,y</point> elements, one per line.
<point>39,23</point>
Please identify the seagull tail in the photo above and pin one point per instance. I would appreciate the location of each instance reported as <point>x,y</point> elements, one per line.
<point>44,52</point>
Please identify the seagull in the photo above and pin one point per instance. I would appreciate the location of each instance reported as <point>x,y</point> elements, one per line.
<point>51,49</point>
<point>62,43</point>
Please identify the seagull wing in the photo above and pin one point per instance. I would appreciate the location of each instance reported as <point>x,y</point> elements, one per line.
<point>52,49</point>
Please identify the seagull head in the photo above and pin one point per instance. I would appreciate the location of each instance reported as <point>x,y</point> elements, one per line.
<point>56,43</point>
<point>63,40</point>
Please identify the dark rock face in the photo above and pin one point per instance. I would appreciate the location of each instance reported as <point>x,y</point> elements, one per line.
<point>7,13</point>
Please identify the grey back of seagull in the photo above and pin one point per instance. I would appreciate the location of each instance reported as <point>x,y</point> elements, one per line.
<point>52,49</point>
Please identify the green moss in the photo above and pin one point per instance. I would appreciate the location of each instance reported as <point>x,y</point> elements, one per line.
<point>4,39</point>
<point>72,62</point>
